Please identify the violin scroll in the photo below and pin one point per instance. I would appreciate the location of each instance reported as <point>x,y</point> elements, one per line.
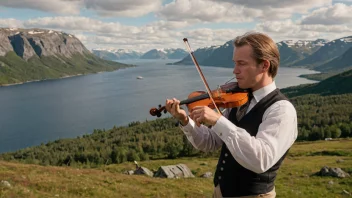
<point>157,111</point>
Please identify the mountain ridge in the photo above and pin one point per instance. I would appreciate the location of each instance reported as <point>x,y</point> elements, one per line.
<point>309,54</point>
<point>38,54</point>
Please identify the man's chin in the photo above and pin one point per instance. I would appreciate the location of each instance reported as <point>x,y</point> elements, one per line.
<point>241,85</point>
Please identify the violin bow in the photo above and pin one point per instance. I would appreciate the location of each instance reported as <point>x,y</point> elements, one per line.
<point>185,40</point>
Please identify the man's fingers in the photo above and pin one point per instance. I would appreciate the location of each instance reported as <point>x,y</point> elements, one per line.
<point>168,104</point>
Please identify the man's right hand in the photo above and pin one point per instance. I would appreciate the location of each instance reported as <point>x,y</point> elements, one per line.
<point>173,107</point>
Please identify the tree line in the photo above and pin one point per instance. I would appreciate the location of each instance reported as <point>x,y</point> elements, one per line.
<point>319,117</point>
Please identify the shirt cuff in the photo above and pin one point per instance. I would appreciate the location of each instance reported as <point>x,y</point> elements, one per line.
<point>187,129</point>
<point>221,127</point>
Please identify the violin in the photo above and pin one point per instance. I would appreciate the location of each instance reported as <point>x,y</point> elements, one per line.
<point>226,96</point>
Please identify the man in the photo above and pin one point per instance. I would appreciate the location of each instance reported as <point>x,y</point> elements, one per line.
<point>255,144</point>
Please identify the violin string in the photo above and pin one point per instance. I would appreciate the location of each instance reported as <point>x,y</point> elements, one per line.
<point>230,80</point>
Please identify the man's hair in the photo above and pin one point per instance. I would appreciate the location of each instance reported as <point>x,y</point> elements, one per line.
<point>264,48</point>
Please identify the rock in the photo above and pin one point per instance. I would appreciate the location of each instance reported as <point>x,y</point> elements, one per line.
<point>130,172</point>
<point>333,172</point>
<point>174,171</point>
<point>331,182</point>
<point>143,171</point>
<point>346,192</point>
<point>207,175</point>
<point>339,161</point>
<point>27,43</point>
<point>5,184</point>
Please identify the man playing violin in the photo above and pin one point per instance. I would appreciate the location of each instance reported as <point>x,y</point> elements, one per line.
<point>255,137</point>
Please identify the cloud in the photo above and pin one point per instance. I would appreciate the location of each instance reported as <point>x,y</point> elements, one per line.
<point>84,24</point>
<point>236,11</point>
<point>146,40</point>
<point>205,11</point>
<point>288,29</point>
<point>299,5</point>
<point>11,23</point>
<point>333,15</point>
<point>127,8</point>
<point>55,6</point>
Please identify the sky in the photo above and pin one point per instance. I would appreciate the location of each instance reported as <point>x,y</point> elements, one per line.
<point>142,25</point>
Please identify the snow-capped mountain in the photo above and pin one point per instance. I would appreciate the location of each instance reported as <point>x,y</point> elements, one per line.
<point>165,53</point>
<point>293,51</point>
<point>116,54</point>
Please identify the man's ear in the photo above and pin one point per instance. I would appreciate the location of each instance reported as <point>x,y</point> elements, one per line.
<point>265,65</point>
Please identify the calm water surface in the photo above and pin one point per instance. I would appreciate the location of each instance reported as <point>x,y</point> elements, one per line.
<point>39,112</point>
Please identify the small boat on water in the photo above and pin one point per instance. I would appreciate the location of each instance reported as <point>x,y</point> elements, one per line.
<point>139,77</point>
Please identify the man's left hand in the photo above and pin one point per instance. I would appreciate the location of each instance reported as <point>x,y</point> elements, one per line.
<point>204,115</point>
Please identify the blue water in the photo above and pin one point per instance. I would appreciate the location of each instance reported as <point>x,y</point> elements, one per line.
<point>38,112</point>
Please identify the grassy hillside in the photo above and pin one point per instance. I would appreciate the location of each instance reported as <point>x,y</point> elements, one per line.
<point>337,84</point>
<point>295,178</point>
<point>13,69</point>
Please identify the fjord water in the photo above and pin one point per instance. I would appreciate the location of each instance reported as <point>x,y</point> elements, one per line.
<point>38,112</point>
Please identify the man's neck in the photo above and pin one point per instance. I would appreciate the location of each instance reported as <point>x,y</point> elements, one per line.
<point>265,82</point>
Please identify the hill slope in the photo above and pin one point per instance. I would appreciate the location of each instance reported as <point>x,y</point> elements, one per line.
<point>343,62</point>
<point>37,54</point>
<point>326,53</point>
<point>338,84</point>
<point>295,178</point>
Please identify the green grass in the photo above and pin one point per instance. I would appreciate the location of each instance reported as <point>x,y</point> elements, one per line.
<point>295,178</point>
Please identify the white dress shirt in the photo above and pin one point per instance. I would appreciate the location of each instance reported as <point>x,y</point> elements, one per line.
<point>275,136</point>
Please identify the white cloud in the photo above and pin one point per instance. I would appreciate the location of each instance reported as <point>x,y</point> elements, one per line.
<point>332,15</point>
<point>195,11</point>
<point>236,11</point>
<point>286,26</point>
<point>177,18</point>
<point>79,23</point>
<point>298,5</point>
<point>55,6</point>
<point>128,8</point>
<point>11,23</point>
<point>328,29</point>
<point>283,30</point>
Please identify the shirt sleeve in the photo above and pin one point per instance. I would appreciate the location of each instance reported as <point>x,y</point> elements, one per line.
<point>275,136</point>
<point>202,138</point>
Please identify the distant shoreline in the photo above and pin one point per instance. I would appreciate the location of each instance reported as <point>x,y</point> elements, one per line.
<point>67,76</point>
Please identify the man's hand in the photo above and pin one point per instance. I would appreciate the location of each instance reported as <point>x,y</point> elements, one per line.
<point>203,114</point>
<point>173,107</point>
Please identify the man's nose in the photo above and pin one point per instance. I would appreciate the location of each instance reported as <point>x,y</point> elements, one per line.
<point>235,70</point>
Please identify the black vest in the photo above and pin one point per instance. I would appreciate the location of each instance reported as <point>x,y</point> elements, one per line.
<point>234,179</point>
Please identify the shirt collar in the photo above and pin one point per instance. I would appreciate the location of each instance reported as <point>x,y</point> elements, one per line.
<point>262,92</point>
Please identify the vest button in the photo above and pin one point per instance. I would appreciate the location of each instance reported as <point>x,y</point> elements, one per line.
<point>219,177</point>
<point>221,168</point>
<point>220,134</point>
<point>223,161</point>
<point>226,154</point>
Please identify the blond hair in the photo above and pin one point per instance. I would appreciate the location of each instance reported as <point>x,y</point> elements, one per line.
<point>264,48</point>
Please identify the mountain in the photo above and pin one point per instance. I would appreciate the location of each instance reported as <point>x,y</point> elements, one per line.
<point>116,54</point>
<point>221,56</point>
<point>342,62</point>
<point>291,52</point>
<point>201,54</point>
<point>326,53</point>
<point>38,54</point>
<point>338,84</point>
<point>167,53</point>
